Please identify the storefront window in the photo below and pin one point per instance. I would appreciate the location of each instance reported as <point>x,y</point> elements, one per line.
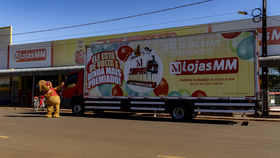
<point>274,87</point>
<point>27,86</point>
<point>15,90</point>
<point>4,90</point>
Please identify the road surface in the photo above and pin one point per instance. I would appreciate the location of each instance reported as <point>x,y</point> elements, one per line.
<point>28,134</point>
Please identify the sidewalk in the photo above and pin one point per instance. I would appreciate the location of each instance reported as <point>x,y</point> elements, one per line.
<point>272,117</point>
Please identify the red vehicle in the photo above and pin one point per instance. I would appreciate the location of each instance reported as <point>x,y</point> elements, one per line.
<point>178,75</point>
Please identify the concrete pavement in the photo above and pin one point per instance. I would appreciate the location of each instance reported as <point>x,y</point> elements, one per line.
<point>272,117</point>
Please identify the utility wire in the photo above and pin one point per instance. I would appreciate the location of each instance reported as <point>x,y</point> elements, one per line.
<point>210,16</point>
<point>143,33</point>
<point>116,19</point>
<point>157,31</point>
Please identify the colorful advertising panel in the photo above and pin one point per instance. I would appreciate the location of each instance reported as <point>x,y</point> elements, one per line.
<point>205,65</point>
<point>30,55</point>
<point>71,52</point>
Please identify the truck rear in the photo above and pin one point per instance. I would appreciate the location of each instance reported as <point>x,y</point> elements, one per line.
<point>215,72</point>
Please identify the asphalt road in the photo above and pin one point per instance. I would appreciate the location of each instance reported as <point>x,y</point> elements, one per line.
<point>28,134</point>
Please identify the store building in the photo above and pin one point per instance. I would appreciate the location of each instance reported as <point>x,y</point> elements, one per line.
<point>6,40</point>
<point>22,66</point>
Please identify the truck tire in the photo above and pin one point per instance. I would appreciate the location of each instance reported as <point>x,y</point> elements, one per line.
<point>78,108</point>
<point>180,113</point>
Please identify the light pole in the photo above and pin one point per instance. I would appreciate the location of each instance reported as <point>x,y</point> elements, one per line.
<point>265,108</point>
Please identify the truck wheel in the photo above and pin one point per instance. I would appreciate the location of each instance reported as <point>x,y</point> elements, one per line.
<point>98,112</point>
<point>78,108</point>
<point>180,113</point>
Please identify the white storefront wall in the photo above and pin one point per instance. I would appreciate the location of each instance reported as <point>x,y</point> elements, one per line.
<point>30,55</point>
<point>5,40</point>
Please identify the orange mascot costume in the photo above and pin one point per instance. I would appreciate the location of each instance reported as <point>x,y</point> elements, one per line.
<point>52,98</point>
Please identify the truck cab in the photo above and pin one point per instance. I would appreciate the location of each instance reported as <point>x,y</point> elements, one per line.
<point>72,89</point>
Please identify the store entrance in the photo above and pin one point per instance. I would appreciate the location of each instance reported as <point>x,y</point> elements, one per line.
<point>274,87</point>
<point>28,84</point>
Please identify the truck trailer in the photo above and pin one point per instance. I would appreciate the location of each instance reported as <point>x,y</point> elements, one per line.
<point>182,76</point>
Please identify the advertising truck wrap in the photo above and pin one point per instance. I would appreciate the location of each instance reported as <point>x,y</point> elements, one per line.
<point>202,65</point>
<point>71,51</point>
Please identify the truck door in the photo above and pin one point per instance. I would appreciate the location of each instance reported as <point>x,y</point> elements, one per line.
<point>70,89</point>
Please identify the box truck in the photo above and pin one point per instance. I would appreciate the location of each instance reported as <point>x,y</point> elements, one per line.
<point>184,75</point>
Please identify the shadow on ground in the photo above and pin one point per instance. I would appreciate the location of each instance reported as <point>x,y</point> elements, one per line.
<point>262,116</point>
<point>126,116</point>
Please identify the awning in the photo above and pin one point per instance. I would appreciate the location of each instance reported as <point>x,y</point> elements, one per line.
<point>40,71</point>
<point>270,61</point>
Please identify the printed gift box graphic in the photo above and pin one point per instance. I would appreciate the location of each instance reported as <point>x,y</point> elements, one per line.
<point>143,70</point>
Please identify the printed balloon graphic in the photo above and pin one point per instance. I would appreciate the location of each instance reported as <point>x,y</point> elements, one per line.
<point>234,42</point>
<point>96,49</point>
<point>174,94</point>
<point>245,49</point>
<point>105,89</point>
<point>124,52</point>
<point>94,92</point>
<point>117,91</point>
<point>142,94</point>
<point>199,93</point>
<point>184,92</point>
<point>152,94</point>
<point>231,35</point>
<point>123,88</point>
<point>162,88</point>
<point>109,47</point>
<point>129,90</point>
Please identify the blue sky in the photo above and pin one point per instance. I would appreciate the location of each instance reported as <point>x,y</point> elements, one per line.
<point>35,15</point>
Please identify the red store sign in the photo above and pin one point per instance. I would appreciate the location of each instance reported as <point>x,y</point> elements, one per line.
<point>30,55</point>
<point>273,35</point>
